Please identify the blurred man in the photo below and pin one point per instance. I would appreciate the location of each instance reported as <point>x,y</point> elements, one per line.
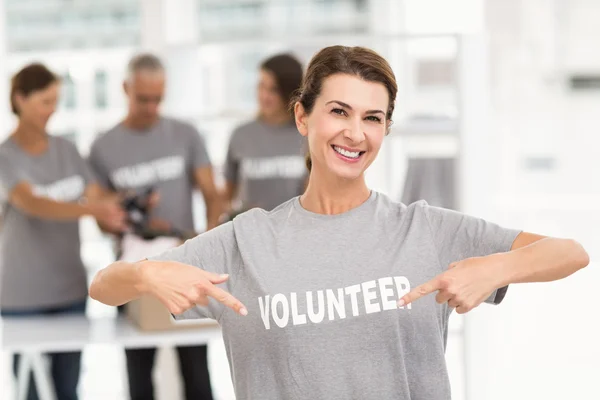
<point>147,152</point>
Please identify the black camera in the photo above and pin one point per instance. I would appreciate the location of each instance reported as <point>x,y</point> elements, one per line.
<point>137,207</point>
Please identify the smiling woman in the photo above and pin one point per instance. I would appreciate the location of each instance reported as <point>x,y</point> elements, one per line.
<point>329,292</point>
<point>355,68</point>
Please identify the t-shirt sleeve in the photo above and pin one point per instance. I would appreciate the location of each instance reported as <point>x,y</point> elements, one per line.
<point>97,167</point>
<point>199,154</point>
<point>10,176</point>
<point>459,236</point>
<point>215,251</point>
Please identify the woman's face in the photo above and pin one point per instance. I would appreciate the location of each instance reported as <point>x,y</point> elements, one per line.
<point>346,126</point>
<point>37,108</point>
<point>270,103</point>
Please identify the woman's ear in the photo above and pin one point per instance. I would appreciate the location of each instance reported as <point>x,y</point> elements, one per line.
<point>388,127</point>
<point>300,117</point>
<point>18,100</point>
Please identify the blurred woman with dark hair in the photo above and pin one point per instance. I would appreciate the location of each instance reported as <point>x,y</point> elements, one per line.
<point>265,161</point>
<point>45,187</point>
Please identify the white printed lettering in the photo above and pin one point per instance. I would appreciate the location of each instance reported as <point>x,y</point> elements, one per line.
<point>148,173</point>
<point>67,190</point>
<point>337,303</point>
<point>280,320</point>
<point>319,315</point>
<point>297,319</point>
<point>353,291</point>
<point>264,311</point>
<point>289,167</point>
<point>387,293</point>
<point>369,295</point>
<point>333,301</point>
<point>403,287</point>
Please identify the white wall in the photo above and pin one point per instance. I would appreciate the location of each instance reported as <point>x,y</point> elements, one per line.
<point>4,87</point>
<point>3,132</point>
<point>542,342</point>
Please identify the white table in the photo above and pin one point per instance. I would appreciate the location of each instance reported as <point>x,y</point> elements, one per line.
<point>33,336</point>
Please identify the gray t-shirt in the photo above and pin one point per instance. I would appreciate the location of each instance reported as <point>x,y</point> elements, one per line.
<point>321,294</point>
<point>164,157</point>
<point>267,164</point>
<point>40,260</point>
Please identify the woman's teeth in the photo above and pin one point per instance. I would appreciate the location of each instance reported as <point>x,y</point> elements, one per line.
<point>346,153</point>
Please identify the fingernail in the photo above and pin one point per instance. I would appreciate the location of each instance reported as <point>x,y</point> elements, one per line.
<point>400,303</point>
<point>224,275</point>
<point>243,311</point>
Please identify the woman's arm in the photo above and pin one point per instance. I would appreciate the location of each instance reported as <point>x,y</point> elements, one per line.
<point>532,258</point>
<point>118,283</point>
<point>535,258</point>
<point>229,194</point>
<point>109,203</point>
<point>96,193</point>
<point>23,198</point>
<point>105,211</point>
<point>178,286</point>
<point>214,205</point>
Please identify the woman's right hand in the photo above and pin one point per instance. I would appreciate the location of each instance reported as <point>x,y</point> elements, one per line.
<point>110,215</point>
<point>180,286</point>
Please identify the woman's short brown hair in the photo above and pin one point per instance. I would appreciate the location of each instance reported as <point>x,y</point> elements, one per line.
<point>287,71</point>
<point>31,78</point>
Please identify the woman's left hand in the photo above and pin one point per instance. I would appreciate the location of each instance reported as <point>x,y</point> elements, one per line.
<point>464,286</point>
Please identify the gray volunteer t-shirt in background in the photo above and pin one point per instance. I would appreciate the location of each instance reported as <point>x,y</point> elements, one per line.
<point>267,164</point>
<point>321,293</point>
<point>164,157</point>
<point>40,262</point>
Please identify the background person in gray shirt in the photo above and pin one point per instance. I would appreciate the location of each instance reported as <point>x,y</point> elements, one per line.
<point>265,159</point>
<point>149,151</point>
<point>325,288</point>
<point>45,187</point>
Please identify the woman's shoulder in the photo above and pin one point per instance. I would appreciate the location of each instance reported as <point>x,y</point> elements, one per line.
<point>7,147</point>
<point>258,214</point>
<point>61,142</point>
<point>258,219</point>
<point>8,155</point>
<point>390,209</point>
<point>249,127</point>
<point>64,146</point>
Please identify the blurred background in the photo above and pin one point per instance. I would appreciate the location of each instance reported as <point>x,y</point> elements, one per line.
<point>500,97</point>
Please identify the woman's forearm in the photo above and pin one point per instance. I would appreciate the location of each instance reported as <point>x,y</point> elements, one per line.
<point>119,283</point>
<point>214,208</point>
<point>43,208</point>
<point>546,260</point>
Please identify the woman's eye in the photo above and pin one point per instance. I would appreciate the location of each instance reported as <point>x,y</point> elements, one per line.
<point>373,118</point>
<point>339,111</point>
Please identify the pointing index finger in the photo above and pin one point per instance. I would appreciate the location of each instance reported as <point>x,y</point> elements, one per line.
<point>420,291</point>
<point>227,299</point>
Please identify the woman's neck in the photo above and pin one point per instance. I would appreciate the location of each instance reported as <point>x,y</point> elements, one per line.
<point>30,139</point>
<point>332,195</point>
<point>276,119</point>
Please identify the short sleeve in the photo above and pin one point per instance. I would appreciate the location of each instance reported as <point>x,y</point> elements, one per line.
<point>199,154</point>
<point>10,176</point>
<point>458,236</point>
<point>215,251</point>
<point>97,167</point>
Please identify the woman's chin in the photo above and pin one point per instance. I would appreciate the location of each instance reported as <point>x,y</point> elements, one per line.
<point>347,172</point>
